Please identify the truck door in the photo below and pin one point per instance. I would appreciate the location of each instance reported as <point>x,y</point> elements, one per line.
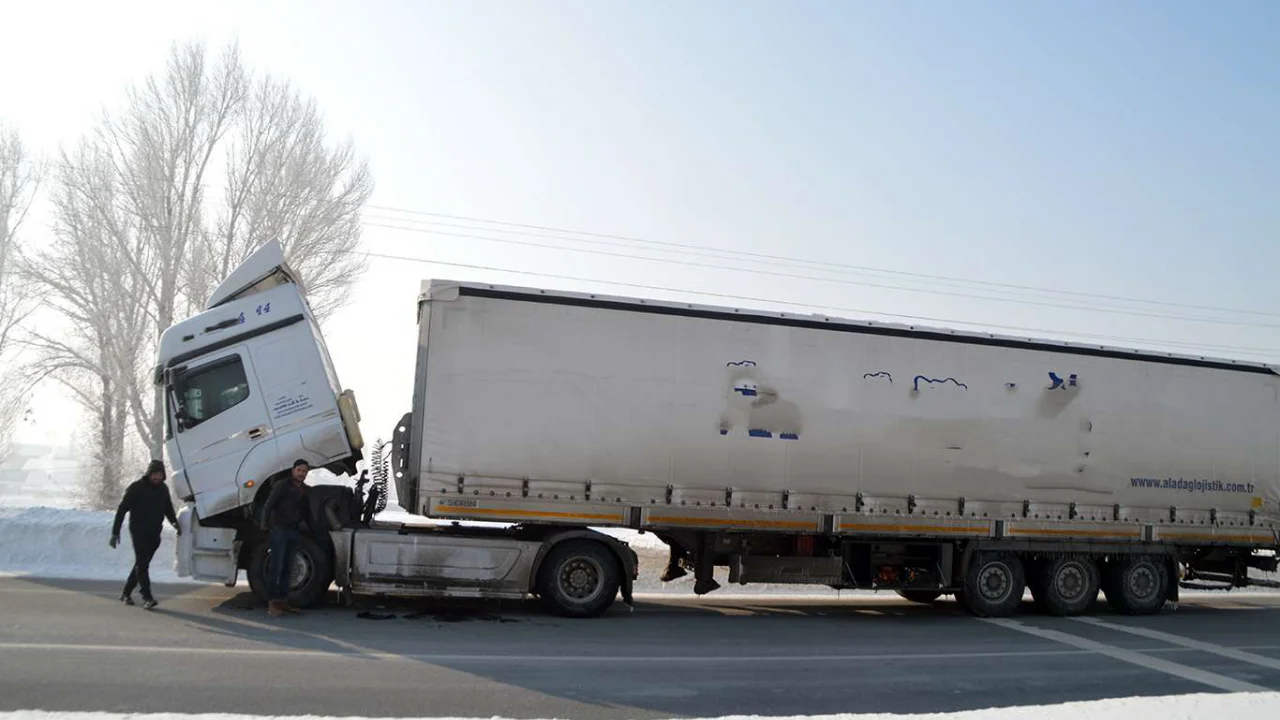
<point>220,417</point>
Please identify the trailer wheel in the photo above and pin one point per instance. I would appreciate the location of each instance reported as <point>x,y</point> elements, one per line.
<point>924,597</point>
<point>579,578</point>
<point>1135,584</point>
<point>312,573</point>
<point>1065,586</point>
<point>993,584</point>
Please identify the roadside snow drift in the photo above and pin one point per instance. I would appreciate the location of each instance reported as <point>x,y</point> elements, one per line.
<point>1239,706</point>
<point>57,543</point>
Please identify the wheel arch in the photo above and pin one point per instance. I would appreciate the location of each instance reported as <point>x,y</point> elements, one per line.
<point>622,552</point>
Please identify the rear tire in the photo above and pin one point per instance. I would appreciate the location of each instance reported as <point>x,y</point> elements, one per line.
<point>1065,586</point>
<point>1136,584</point>
<point>924,597</point>
<point>579,578</point>
<point>993,584</point>
<point>312,573</point>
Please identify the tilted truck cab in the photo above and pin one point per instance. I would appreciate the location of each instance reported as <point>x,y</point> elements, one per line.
<point>249,387</point>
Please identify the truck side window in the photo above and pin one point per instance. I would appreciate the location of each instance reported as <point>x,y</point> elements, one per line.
<point>213,389</point>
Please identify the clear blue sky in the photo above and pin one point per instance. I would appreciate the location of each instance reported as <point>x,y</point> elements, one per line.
<point>1114,148</point>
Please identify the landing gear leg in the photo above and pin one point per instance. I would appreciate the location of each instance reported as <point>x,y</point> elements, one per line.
<point>674,569</point>
<point>704,568</point>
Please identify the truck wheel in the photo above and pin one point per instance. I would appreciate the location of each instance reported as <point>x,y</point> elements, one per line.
<point>1065,586</point>
<point>312,573</point>
<point>579,578</point>
<point>924,597</point>
<point>1135,584</point>
<point>994,583</point>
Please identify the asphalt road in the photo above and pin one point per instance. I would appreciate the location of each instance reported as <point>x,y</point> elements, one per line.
<point>70,645</point>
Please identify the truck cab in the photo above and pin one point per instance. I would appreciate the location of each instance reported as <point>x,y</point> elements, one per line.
<point>248,388</point>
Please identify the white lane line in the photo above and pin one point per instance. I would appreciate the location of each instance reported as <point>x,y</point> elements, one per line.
<point>382,655</point>
<point>1221,682</point>
<point>1234,654</point>
<point>357,654</point>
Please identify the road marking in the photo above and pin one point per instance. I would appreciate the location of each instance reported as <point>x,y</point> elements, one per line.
<point>1221,682</point>
<point>358,654</point>
<point>1234,654</point>
<point>382,655</point>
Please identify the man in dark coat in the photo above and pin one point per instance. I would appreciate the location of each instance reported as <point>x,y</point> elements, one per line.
<point>148,504</point>
<point>283,515</point>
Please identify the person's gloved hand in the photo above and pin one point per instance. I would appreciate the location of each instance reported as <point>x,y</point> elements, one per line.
<point>115,540</point>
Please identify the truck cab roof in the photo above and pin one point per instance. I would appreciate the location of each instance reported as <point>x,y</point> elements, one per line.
<point>260,294</point>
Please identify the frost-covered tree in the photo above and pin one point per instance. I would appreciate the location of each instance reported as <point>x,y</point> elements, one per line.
<point>19,176</point>
<point>87,280</point>
<point>202,164</point>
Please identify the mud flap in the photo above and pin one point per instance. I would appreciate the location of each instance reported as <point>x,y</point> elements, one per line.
<point>1175,582</point>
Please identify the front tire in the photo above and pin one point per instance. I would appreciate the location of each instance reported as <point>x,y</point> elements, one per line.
<point>579,578</point>
<point>994,584</point>
<point>312,573</point>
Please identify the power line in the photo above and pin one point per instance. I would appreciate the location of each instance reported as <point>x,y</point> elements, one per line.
<point>761,257</point>
<point>845,266</point>
<point>717,254</point>
<point>758,256</point>
<point>747,298</point>
<point>796,276</point>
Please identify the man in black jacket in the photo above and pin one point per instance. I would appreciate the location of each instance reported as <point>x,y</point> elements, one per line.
<point>283,515</point>
<point>148,504</point>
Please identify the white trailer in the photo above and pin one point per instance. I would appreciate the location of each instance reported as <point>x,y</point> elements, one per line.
<point>790,448</point>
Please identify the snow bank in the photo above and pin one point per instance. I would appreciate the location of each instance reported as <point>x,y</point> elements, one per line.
<point>61,543</point>
<point>1237,706</point>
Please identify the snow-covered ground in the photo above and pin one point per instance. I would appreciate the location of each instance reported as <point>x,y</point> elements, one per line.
<point>1236,706</point>
<point>52,542</point>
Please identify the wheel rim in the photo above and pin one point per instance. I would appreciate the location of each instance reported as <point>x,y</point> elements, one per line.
<point>301,571</point>
<point>1142,582</point>
<point>1071,580</point>
<point>994,582</point>
<point>581,579</point>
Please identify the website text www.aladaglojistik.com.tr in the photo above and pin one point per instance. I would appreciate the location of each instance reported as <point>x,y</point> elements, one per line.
<point>1193,485</point>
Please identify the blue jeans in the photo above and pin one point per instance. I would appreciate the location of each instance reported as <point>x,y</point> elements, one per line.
<point>281,544</point>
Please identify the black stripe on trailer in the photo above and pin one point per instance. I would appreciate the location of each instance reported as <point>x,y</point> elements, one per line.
<point>883,331</point>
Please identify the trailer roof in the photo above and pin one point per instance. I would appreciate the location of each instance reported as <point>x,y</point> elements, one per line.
<point>439,289</point>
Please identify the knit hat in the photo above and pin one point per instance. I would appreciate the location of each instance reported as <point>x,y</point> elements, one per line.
<point>156,466</point>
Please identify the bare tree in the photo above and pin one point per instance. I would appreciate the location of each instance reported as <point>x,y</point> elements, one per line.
<point>19,176</point>
<point>284,182</point>
<point>137,208</point>
<point>88,282</point>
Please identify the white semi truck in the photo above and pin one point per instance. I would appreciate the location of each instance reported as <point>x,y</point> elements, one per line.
<point>787,448</point>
